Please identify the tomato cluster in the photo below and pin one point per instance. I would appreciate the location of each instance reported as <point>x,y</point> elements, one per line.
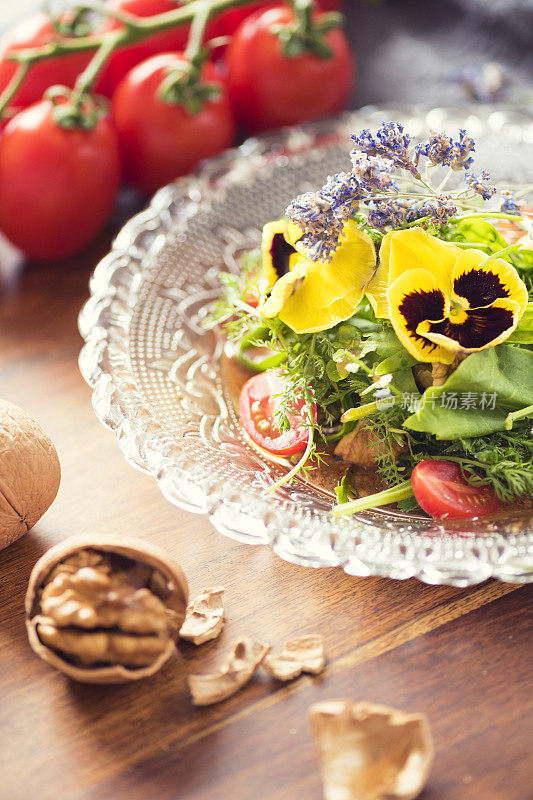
<point>58,183</point>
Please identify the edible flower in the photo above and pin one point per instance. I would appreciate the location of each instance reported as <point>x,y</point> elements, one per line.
<point>278,250</point>
<point>313,296</point>
<point>442,300</point>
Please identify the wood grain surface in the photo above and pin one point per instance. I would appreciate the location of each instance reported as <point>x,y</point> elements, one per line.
<point>462,656</point>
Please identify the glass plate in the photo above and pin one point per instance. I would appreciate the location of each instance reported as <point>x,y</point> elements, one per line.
<point>156,374</point>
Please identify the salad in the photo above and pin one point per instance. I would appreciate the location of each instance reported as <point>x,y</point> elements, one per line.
<point>386,326</point>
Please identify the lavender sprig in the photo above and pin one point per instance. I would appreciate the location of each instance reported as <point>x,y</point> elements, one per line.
<point>391,143</point>
<point>321,215</point>
<point>442,150</point>
<point>372,186</point>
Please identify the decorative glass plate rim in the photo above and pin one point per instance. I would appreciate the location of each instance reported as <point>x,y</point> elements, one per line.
<point>357,545</point>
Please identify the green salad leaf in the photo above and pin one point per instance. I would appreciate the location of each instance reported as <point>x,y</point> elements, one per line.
<point>496,381</point>
<point>523,333</point>
<point>478,231</point>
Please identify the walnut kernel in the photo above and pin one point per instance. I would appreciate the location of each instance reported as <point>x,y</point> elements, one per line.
<point>105,609</point>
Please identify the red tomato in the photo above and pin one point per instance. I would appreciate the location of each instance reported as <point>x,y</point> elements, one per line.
<point>257,403</point>
<point>227,23</point>
<point>36,31</point>
<point>331,5</point>
<point>161,141</point>
<point>441,491</point>
<point>269,90</point>
<point>128,57</point>
<point>57,186</point>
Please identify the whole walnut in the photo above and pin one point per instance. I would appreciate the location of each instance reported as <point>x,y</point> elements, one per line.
<point>29,473</point>
<point>105,609</point>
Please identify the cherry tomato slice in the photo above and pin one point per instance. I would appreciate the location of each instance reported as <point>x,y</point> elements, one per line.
<point>257,403</point>
<point>441,491</point>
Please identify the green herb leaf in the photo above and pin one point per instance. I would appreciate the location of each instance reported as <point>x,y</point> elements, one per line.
<point>502,379</point>
<point>408,504</point>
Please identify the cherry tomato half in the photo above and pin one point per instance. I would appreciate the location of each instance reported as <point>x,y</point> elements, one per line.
<point>160,141</point>
<point>268,89</point>
<point>257,403</point>
<point>57,186</point>
<point>36,31</point>
<point>442,492</point>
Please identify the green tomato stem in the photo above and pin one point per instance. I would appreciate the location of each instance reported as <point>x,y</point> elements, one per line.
<point>400,492</point>
<point>134,29</point>
<point>197,32</point>
<point>86,79</point>
<point>307,33</point>
<point>13,86</point>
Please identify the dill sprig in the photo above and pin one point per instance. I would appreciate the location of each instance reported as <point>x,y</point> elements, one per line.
<point>232,310</point>
<point>387,437</point>
<point>503,459</point>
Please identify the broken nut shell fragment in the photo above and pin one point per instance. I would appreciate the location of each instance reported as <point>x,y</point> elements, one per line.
<point>105,609</point>
<point>303,654</point>
<point>239,667</point>
<point>371,752</point>
<point>204,618</point>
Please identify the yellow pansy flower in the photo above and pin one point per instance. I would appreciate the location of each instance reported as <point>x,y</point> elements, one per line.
<point>278,250</point>
<point>312,295</point>
<point>442,300</point>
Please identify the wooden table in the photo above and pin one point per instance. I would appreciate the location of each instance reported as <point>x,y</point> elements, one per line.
<point>462,656</point>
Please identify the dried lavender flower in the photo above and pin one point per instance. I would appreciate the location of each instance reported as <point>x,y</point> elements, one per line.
<point>509,204</point>
<point>390,142</point>
<point>480,185</point>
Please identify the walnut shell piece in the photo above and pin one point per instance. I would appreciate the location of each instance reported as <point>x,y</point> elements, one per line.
<point>303,654</point>
<point>371,752</point>
<point>105,609</point>
<point>204,618</point>
<point>237,670</point>
<point>30,473</point>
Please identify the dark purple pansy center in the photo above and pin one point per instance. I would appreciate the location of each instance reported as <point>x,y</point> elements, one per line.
<point>481,326</point>
<point>280,254</point>
<point>418,306</point>
<point>480,287</point>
